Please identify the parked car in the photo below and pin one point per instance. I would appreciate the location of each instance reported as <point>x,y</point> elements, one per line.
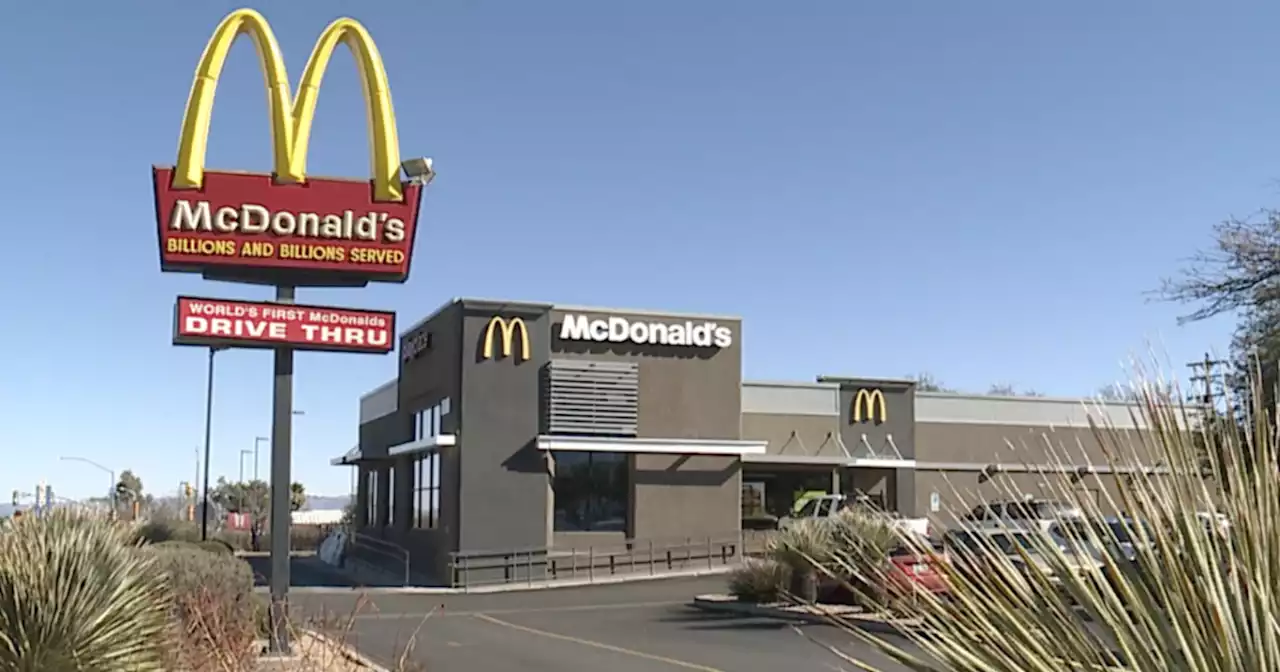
<point>910,568</point>
<point>907,570</point>
<point>1128,538</point>
<point>1028,513</point>
<point>970,551</point>
<point>826,506</point>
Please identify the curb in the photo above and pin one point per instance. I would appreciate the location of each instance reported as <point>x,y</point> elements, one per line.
<point>714,605</point>
<point>501,588</point>
<point>349,653</point>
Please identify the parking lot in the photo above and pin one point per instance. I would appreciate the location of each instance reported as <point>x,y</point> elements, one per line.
<point>635,627</point>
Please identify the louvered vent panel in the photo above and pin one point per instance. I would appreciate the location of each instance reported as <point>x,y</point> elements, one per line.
<point>591,398</point>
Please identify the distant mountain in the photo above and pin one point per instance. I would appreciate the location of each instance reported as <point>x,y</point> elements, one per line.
<point>6,510</point>
<point>322,503</point>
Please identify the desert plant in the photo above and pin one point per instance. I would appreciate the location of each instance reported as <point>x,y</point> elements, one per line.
<point>803,547</point>
<point>214,621</point>
<point>1199,598</point>
<point>861,540</point>
<point>75,594</point>
<point>759,580</point>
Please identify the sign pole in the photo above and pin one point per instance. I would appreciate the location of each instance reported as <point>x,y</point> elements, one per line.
<point>281,455</point>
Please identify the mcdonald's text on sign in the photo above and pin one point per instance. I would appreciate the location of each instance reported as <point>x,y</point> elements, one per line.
<point>252,324</point>
<point>286,227</point>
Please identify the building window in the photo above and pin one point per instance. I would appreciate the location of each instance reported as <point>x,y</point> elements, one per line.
<point>428,421</point>
<point>427,492</point>
<point>371,498</point>
<point>590,491</point>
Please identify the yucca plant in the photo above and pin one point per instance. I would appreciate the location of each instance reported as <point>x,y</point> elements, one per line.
<point>760,580</point>
<point>804,547</point>
<point>860,544</point>
<point>77,596</point>
<point>1199,596</point>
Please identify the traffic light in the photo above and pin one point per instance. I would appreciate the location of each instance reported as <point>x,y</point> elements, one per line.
<point>16,496</point>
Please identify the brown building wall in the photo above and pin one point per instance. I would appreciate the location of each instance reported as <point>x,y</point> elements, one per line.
<point>685,393</point>
<point>799,435</point>
<point>996,443</point>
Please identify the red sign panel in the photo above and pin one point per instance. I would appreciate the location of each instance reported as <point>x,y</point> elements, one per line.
<point>319,232</point>
<point>251,324</point>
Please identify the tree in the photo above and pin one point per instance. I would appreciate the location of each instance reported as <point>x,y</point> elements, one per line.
<point>1239,274</point>
<point>1009,390</point>
<point>129,490</point>
<point>297,497</point>
<point>926,382</point>
<point>253,498</point>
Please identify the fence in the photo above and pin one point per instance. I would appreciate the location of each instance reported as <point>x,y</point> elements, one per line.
<point>594,562</point>
<point>397,555</point>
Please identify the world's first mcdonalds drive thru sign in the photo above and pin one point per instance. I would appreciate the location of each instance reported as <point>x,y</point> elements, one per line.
<point>285,227</point>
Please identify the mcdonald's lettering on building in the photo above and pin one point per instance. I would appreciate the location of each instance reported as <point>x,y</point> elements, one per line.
<point>869,406</point>
<point>502,333</point>
<point>286,227</point>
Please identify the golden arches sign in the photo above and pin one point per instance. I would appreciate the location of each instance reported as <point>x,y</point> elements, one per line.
<point>508,329</point>
<point>292,116</point>
<point>869,405</point>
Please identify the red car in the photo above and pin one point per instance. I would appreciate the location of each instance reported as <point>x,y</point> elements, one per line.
<point>913,570</point>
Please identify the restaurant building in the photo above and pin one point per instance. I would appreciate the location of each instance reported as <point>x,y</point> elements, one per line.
<point>518,425</point>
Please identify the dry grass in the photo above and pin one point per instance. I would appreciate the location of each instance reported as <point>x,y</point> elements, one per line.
<point>1197,598</point>
<point>212,642</point>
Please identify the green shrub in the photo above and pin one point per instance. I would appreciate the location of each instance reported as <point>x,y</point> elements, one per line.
<point>157,531</point>
<point>760,581</point>
<point>803,546</point>
<point>213,608</point>
<point>217,546</point>
<point>76,595</point>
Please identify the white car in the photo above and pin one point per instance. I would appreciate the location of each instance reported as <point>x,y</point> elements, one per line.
<point>827,506</point>
<point>1029,513</point>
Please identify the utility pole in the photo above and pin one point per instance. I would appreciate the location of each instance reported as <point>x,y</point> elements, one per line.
<point>1203,372</point>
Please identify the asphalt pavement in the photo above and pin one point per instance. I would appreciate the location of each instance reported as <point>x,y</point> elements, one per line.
<point>304,571</point>
<point>631,627</point>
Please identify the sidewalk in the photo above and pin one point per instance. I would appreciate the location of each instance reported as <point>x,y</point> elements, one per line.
<point>830,614</point>
<point>513,587</point>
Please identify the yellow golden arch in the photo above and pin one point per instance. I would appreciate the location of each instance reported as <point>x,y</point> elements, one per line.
<point>291,117</point>
<point>869,402</point>
<point>508,329</point>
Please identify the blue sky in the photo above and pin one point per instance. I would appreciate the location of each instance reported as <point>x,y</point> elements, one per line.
<point>982,190</point>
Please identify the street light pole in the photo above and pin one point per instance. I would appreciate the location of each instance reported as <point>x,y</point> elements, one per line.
<point>208,440</point>
<point>257,441</point>
<point>243,454</point>
<point>110,472</point>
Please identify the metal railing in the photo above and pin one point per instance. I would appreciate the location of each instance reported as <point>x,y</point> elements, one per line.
<point>593,562</point>
<point>392,551</point>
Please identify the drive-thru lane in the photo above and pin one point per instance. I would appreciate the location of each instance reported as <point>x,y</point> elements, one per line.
<point>635,627</point>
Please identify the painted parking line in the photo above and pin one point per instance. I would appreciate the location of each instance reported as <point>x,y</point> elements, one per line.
<point>595,645</point>
<point>440,613</point>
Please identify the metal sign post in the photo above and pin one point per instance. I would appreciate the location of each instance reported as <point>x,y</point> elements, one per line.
<point>281,491</point>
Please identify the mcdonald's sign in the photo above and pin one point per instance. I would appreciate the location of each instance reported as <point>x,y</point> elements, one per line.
<point>868,406</point>
<point>506,329</point>
<point>286,227</point>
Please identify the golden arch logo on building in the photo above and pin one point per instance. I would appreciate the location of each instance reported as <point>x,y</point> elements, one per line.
<point>505,329</point>
<point>868,406</point>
